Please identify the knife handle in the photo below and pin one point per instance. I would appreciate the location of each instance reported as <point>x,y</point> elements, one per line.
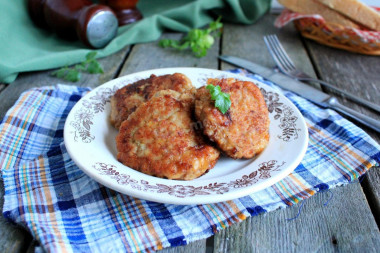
<point>365,120</point>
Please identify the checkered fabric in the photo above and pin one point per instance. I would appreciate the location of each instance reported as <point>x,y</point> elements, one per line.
<point>65,210</point>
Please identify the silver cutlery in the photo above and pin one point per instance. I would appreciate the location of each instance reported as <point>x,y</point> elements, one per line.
<point>316,96</point>
<point>286,66</point>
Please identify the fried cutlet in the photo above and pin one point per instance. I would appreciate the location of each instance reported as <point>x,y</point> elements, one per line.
<point>243,131</point>
<point>127,99</point>
<point>159,139</point>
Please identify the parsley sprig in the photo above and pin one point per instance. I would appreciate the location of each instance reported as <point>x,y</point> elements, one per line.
<point>73,74</point>
<point>199,40</point>
<point>222,99</point>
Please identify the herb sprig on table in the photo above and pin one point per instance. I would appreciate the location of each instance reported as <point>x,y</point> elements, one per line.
<point>222,99</point>
<point>73,74</point>
<point>199,40</point>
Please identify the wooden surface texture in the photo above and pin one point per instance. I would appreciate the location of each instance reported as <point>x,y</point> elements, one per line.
<point>344,219</point>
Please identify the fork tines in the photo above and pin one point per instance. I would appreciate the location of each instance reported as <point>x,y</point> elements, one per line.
<point>278,53</point>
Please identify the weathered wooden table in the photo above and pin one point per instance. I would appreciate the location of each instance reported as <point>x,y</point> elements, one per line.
<point>349,223</point>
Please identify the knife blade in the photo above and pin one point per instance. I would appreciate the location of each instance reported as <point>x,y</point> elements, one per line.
<point>314,95</point>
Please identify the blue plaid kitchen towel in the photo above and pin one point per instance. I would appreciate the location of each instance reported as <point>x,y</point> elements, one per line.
<point>65,210</point>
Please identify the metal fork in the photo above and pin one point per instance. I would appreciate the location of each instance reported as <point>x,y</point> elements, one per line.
<point>286,66</point>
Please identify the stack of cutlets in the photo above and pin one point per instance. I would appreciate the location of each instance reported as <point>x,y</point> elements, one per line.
<point>168,129</point>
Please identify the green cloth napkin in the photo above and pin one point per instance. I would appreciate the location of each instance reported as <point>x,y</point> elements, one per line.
<point>25,47</point>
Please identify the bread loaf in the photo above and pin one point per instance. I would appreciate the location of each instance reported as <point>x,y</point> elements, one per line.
<point>356,11</point>
<point>315,7</point>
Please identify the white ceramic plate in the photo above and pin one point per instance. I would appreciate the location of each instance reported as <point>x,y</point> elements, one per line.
<point>90,141</point>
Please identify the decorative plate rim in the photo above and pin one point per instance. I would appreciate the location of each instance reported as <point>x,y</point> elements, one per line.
<point>256,174</point>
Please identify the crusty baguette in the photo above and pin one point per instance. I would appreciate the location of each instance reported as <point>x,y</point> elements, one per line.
<point>357,11</point>
<point>315,7</point>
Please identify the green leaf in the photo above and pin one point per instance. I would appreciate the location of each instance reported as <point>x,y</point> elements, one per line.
<point>214,91</point>
<point>206,41</point>
<point>60,73</point>
<point>194,35</point>
<point>90,65</point>
<point>222,99</point>
<point>81,66</point>
<point>72,75</point>
<point>174,44</point>
<point>91,55</point>
<point>94,67</point>
<point>216,25</point>
<point>183,46</point>
<point>199,40</point>
<point>165,43</point>
<point>223,102</point>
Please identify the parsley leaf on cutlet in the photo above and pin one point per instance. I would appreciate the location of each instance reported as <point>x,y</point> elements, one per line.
<point>222,99</point>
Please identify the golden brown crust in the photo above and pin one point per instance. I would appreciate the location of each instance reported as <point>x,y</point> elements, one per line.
<point>127,99</point>
<point>243,131</point>
<point>159,139</point>
<point>356,11</point>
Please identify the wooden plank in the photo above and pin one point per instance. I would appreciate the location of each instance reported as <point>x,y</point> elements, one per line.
<point>247,42</point>
<point>14,238</point>
<point>2,86</point>
<point>324,223</point>
<point>152,56</point>
<point>336,227</point>
<point>272,232</point>
<point>111,66</point>
<point>371,187</point>
<point>358,74</point>
<point>355,73</point>
<point>196,247</point>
